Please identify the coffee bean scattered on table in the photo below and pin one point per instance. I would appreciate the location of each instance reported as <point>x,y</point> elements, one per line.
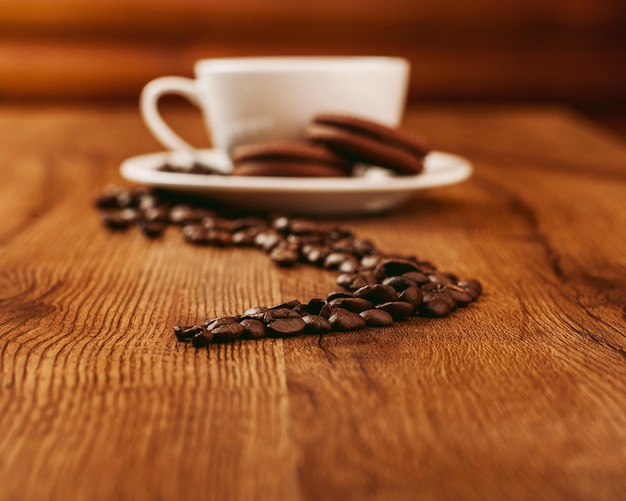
<point>377,289</point>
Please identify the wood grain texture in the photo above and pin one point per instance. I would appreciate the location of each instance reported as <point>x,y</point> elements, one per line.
<point>519,396</point>
<point>486,49</point>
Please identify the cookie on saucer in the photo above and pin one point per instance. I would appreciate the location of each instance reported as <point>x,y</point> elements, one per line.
<point>288,158</point>
<point>366,141</point>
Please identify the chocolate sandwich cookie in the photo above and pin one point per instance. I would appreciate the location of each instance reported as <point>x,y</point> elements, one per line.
<point>289,159</point>
<point>366,141</point>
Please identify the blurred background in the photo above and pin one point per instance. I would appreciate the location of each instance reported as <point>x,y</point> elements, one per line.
<point>479,51</point>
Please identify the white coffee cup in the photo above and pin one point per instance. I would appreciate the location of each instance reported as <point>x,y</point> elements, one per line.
<point>247,100</point>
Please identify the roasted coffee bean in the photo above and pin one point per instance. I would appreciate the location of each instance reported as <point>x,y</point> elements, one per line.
<point>195,234</point>
<point>245,236</point>
<point>393,267</point>
<point>214,222</point>
<point>438,277</point>
<point>345,245</point>
<point>252,329</point>
<point>290,305</point>
<point>152,229</point>
<point>472,287</point>
<point>370,261</point>
<point>148,201</point>
<point>202,338</point>
<point>315,254</point>
<point>186,332</point>
<point>182,214</point>
<point>334,260</point>
<point>281,224</point>
<point>285,254</point>
<point>114,220</point>
<point>225,329</point>
<point>158,214</point>
<point>316,324</point>
<point>267,239</point>
<point>246,223</point>
<point>363,248</point>
<point>412,295</point>
<point>416,276</point>
<point>219,237</point>
<point>255,313</point>
<point>355,304</point>
<point>108,199</point>
<point>435,305</point>
<point>303,227</point>
<point>397,309</point>
<point>400,282</point>
<point>344,320</point>
<point>377,293</point>
<point>338,232</point>
<point>283,322</point>
<point>349,265</point>
<point>338,294</point>
<point>459,294</point>
<point>313,307</point>
<point>376,317</point>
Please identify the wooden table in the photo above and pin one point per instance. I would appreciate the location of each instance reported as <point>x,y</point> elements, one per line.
<point>521,395</point>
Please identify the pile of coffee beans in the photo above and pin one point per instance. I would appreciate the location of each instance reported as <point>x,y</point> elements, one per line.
<point>377,289</point>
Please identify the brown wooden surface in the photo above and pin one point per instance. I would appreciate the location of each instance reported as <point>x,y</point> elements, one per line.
<point>522,395</point>
<point>484,49</point>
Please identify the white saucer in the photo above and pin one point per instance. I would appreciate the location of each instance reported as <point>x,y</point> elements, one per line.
<point>375,190</point>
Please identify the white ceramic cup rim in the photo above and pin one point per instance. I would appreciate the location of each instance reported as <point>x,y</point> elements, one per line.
<point>297,64</point>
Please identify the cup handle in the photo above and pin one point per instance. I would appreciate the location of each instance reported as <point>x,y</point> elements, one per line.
<point>148,103</point>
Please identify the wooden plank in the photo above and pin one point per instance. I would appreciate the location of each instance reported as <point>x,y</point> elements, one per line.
<point>519,395</point>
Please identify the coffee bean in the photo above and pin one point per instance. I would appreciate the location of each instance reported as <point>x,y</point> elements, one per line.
<point>370,261</point>
<point>334,260</point>
<point>412,295</point>
<point>254,313</point>
<point>397,309</point>
<point>397,285</point>
<point>316,324</point>
<point>393,267</point>
<point>349,265</point>
<point>400,282</point>
<point>472,287</point>
<point>315,253</point>
<point>377,293</point>
<point>195,234</point>
<point>338,294</point>
<point>152,229</point>
<point>435,305</point>
<point>285,254</point>
<point>355,304</point>
<point>376,318</point>
<point>182,214</point>
<point>158,214</point>
<point>186,332</point>
<point>245,236</point>
<point>290,305</point>
<point>281,224</point>
<point>343,320</point>
<point>249,222</point>
<point>416,276</point>
<point>302,227</point>
<point>202,338</point>
<point>459,294</point>
<point>267,239</point>
<point>114,220</point>
<point>313,307</point>
<point>225,329</point>
<point>252,329</point>
<point>283,322</point>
